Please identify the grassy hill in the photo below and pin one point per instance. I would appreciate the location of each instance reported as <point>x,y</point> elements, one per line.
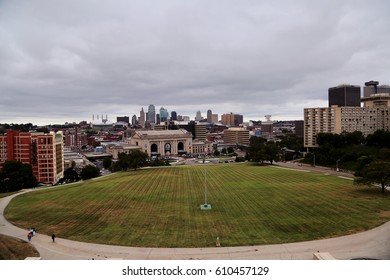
<point>159,207</point>
<point>15,249</point>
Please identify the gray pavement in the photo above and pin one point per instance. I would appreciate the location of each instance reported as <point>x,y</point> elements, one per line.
<point>374,244</point>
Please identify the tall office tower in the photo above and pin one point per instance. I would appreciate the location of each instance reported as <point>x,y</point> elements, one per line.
<point>198,116</point>
<point>134,120</point>
<point>142,118</point>
<point>158,120</point>
<point>238,119</point>
<point>152,114</point>
<point>344,96</point>
<point>164,115</point>
<point>173,116</point>
<point>209,116</point>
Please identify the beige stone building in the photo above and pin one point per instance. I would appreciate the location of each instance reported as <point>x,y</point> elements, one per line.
<point>115,150</point>
<point>373,116</point>
<point>202,147</point>
<point>162,143</point>
<point>236,135</point>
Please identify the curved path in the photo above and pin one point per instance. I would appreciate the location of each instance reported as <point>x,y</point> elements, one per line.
<point>374,243</point>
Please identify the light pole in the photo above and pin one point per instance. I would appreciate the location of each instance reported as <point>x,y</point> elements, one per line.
<point>205,187</point>
<point>205,206</point>
<point>314,160</point>
<point>337,165</point>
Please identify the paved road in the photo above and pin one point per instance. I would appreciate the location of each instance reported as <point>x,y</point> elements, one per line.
<point>374,243</point>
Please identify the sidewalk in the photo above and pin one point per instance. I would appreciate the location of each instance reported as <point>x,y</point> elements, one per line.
<point>374,244</point>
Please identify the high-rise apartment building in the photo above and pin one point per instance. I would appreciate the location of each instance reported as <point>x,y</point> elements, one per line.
<point>43,151</point>
<point>374,115</point>
<point>344,95</point>
<point>339,119</point>
<point>214,118</point>
<point>232,119</point>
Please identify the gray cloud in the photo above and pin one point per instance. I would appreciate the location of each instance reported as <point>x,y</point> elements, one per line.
<point>67,60</point>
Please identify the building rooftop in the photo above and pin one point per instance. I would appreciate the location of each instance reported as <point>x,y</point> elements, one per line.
<point>162,132</point>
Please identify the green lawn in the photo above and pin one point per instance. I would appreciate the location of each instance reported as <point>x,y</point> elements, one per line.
<point>159,207</point>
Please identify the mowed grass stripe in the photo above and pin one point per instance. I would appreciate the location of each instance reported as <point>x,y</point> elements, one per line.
<point>159,207</point>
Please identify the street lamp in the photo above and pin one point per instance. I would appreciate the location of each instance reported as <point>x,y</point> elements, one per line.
<point>337,165</point>
<point>205,206</point>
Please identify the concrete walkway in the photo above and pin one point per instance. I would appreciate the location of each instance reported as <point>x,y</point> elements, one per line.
<point>374,244</point>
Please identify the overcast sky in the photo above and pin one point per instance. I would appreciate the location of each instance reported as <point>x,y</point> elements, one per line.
<point>67,60</point>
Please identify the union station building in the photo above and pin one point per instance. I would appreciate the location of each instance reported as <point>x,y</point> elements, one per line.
<point>162,142</point>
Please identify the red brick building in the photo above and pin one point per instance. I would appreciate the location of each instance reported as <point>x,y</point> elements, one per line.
<point>44,151</point>
<point>75,138</point>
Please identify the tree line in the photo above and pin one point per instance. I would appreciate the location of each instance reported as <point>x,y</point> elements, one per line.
<point>368,157</point>
<point>15,176</point>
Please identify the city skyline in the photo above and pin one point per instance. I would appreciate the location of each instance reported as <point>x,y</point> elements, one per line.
<point>64,62</point>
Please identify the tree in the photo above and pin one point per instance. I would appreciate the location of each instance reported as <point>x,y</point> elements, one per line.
<point>107,163</point>
<point>260,150</point>
<point>136,159</point>
<point>259,155</point>
<point>70,176</point>
<point>292,142</point>
<point>216,153</point>
<point>272,151</point>
<point>380,138</point>
<point>89,172</point>
<point>16,176</point>
<point>256,150</point>
<point>123,162</point>
<point>376,172</point>
<point>230,150</point>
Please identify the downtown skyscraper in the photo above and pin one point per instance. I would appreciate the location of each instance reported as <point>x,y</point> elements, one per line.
<point>151,114</point>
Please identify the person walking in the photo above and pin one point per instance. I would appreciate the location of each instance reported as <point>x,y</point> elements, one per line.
<point>29,235</point>
<point>53,237</point>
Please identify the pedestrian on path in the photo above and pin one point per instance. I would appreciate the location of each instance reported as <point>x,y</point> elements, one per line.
<point>53,237</point>
<point>29,235</point>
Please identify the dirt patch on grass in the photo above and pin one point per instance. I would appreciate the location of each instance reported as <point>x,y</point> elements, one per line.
<point>15,249</point>
<point>385,214</point>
